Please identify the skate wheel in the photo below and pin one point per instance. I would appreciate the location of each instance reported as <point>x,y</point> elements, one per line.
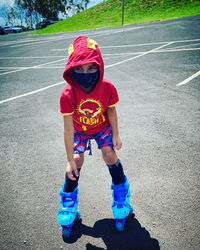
<point>66,230</point>
<point>78,215</point>
<point>120,225</point>
<point>131,212</point>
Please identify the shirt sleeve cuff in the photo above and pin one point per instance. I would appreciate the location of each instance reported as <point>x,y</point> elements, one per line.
<point>113,105</point>
<point>66,114</point>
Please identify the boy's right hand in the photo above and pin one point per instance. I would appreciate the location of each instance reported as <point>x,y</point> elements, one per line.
<point>71,166</point>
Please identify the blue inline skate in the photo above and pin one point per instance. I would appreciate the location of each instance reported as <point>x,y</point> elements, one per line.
<point>68,212</point>
<point>121,205</point>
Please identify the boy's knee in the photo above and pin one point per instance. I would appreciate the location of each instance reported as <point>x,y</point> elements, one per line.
<point>79,159</point>
<point>109,155</point>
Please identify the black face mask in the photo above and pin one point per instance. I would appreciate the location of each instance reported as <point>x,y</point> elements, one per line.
<point>86,79</point>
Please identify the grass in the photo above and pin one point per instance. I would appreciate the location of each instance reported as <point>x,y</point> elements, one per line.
<point>109,14</point>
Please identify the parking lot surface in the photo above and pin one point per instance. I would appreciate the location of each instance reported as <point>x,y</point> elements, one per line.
<point>156,69</point>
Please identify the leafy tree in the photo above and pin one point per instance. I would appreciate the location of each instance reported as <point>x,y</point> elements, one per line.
<point>4,14</point>
<point>29,6</point>
<point>19,11</point>
<point>49,9</point>
<point>76,5</point>
<point>31,12</point>
<point>11,16</point>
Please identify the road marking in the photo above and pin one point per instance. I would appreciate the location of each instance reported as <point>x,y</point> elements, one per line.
<point>177,50</point>
<point>51,86</point>
<point>104,54</point>
<point>141,52</point>
<point>30,57</point>
<point>147,44</point>
<point>188,45</point>
<point>135,57</point>
<point>32,92</point>
<point>189,79</point>
<point>41,67</point>
<point>59,49</point>
<point>84,32</point>
<point>34,67</point>
<point>140,44</point>
<point>37,66</point>
<point>7,68</point>
<point>33,43</point>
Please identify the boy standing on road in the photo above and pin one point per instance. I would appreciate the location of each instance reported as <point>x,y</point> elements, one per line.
<point>87,103</point>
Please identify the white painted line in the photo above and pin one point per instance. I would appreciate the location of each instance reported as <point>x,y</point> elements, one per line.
<point>42,66</point>
<point>131,45</point>
<point>51,86</point>
<point>176,50</point>
<point>52,67</point>
<point>59,49</point>
<point>8,68</point>
<point>85,32</point>
<point>13,71</point>
<point>34,67</point>
<point>189,79</point>
<point>147,44</point>
<point>15,42</point>
<point>137,45</point>
<point>141,52</point>
<point>118,46</point>
<point>51,40</point>
<point>188,45</point>
<point>32,92</point>
<point>135,57</point>
<point>34,43</point>
<point>31,57</point>
<point>39,67</point>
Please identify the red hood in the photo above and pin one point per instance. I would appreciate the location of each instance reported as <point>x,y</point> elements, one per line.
<point>83,50</point>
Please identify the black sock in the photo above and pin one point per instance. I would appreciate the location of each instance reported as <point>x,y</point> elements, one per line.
<point>116,172</point>
<point>70,185</point>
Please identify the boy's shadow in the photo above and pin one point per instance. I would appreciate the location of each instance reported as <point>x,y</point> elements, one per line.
<point>134,237</point>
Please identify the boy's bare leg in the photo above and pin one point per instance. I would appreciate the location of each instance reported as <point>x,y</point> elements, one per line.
<point>70,185</point>
<point>79,159</point>
<point>109,155</point>
<point>114,165</point>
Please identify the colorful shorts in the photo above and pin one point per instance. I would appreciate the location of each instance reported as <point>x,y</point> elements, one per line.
<point>82,141</point>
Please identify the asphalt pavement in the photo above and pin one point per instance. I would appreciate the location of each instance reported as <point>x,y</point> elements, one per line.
<point>156,69</point>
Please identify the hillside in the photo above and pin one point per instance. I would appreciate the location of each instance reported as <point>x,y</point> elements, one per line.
<point>109,14</point>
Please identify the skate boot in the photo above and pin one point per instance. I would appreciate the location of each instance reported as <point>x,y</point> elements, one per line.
<point>121,205</point>
<point>68,211</point>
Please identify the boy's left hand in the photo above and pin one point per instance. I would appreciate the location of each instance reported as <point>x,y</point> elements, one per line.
<point>117,143</point>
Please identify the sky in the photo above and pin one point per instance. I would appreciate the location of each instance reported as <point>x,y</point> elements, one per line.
<point>94,2</point>
<point>6,3</point>
<point>10,3</point>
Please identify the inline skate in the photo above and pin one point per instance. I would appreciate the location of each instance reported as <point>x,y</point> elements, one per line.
<point>68,212</point>
<point>121,206</point>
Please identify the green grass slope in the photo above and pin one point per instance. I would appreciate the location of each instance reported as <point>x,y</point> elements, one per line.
<point>109,14</point>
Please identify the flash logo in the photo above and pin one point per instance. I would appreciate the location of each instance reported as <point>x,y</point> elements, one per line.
<point>91,111</point>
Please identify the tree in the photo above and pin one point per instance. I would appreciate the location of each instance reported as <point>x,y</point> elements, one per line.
<point>33,10</point>
<point>4,14</point>
<point>11,16</point>
<point>49,9</point>
<point>29,6</point>
<point>19,11</point>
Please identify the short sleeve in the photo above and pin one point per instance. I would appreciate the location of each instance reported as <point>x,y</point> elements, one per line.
<point>114,98</point>
<point>66,106</point>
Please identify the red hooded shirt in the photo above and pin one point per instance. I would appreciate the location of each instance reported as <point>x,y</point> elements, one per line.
<point>88,110</point>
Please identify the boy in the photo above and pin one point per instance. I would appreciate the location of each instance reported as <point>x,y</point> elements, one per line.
<point>88,103</point>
